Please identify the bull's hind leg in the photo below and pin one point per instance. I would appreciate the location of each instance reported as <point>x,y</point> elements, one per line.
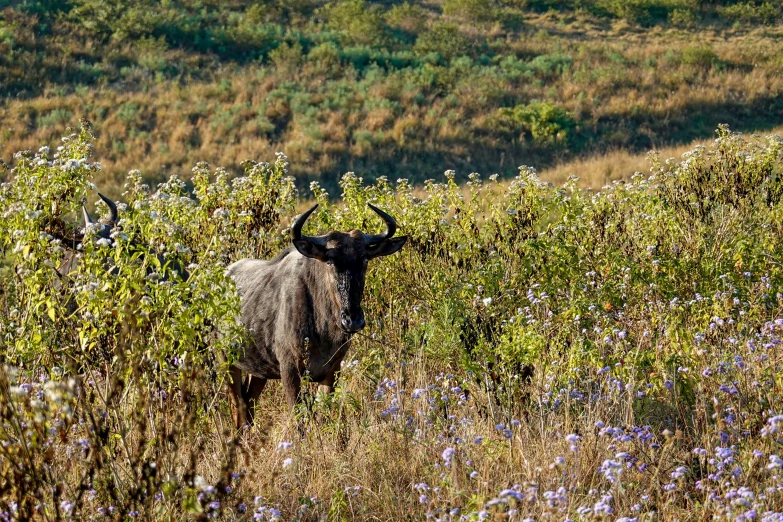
<point>292,383</point>
<point>251,389</point>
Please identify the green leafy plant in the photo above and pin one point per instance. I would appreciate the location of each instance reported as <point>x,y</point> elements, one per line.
<point>472,10</point>
<point>541,121</point>
<point>445,39</point>
<point>358,22</point>
<point>753,12</point>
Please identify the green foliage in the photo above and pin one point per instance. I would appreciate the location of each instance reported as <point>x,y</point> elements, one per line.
<point>287,55</point>
<point>409,18</point>
<point>682,18</point>
<point>143,314</point>
<point>117,19</point>
<point>550,65</point>
<point>735,174</point>
<point>767,13</point>
<point>6,35</point>
<point>445,39</point>
<point>470,10</point>
<point>152,54</point>
<point>223,81</point>
<point>325,57</point>
<point>700,55</point>
<point>56,118</point>
<point>358,22</point>
<point>645,11</point>
<point>544,122</point>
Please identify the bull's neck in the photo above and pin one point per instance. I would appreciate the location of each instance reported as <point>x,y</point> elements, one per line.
<point>326,303</point>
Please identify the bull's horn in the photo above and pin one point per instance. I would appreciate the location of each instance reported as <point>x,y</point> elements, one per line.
<point>391,226</point>
<point>296,229</point>
<point>87,218</point>
<point>112,207</point>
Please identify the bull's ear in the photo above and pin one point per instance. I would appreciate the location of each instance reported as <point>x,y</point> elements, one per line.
<point>310,249</point>
<point>387,247</point>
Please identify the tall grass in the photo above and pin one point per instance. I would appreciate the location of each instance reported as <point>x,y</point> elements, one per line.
<point>535,351</point>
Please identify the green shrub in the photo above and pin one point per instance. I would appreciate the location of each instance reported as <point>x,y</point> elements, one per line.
<point>470,10</point>
<point>118,19</point>
<point>550,65</point>
<point>683,18</point>
<point>444,39</point>
<point>152,53</point>
<point>356,21</point>
<point>140,330</point>
<point>700,55</point>
<point>646,11</point>
<point>326,57</point>
<point>287,56</point>
<point>7,35</point>
<point>129,112</point>
<point>409,18</point>
<point>542,121</point>
<point>56,118</point>
<point>753,13</point>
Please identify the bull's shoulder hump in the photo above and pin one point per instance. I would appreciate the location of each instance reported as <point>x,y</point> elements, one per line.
<point>249,269</point>
<point>244,266</point>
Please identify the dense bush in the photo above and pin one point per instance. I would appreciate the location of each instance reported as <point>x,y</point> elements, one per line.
<point>650,312</point>
<point>359,22</point>
<point>542,122</point>
<point>700,55</point>
<point>143,315</point>
<point>471,10</point>
<point>444,39</point>
<point>753,12</point>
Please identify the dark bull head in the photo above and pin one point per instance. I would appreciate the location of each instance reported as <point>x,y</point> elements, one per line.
<point>346,255</point>
<point>71,259</point>
<point>105,230</point>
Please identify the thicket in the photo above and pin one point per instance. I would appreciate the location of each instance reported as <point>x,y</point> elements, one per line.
<point>649,312</point>
<point>382,89</point>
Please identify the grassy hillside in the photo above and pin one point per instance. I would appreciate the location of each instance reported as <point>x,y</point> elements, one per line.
<point>383,88</point>
<point>651,314</point>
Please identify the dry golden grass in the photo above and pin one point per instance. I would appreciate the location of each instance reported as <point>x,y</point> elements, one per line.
<point>598,171</point>
<point>628,89</point>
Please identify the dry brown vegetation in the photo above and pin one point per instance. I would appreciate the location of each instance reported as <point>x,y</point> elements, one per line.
<point>598,171</point>
<point>619,87</point>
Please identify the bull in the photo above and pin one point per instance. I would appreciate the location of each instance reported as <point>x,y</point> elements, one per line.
<point>301,309</point>
<point>104,231</point>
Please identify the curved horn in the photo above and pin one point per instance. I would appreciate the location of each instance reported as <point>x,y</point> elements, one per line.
<point>391,226</point>
<point>112,207</point>
<point>296,229</point>
<point>87,218</point>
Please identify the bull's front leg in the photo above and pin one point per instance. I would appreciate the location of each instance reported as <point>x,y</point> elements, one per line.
<point>292,382</point>
<point>238,405</point>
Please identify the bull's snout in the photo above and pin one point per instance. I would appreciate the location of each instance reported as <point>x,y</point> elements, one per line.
<point>352,324</point>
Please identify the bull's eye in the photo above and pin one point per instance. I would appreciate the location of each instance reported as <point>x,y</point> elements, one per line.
<point>330,262</point>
